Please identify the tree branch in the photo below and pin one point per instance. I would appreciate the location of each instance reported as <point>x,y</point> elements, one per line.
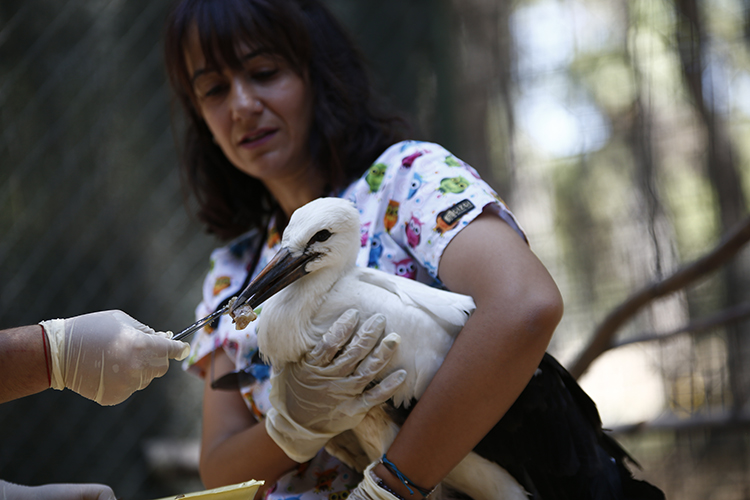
<point>701,325</point>
<point>604,334</point>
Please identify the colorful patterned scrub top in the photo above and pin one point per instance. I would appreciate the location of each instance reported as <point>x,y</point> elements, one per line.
<point>412,201</point>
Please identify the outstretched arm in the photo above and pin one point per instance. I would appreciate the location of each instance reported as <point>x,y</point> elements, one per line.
<point>492,359</point>
<point>104,356</point>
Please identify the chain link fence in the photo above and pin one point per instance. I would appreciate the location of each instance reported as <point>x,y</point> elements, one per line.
<point>92,217</point>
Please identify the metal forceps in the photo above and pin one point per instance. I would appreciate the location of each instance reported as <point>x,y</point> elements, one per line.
<point>280,271</point>
<point>202,322</point>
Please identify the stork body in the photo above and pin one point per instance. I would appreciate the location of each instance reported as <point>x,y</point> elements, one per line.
<point>427,319</point>
<point>294,320</point>
<point>313,280</point>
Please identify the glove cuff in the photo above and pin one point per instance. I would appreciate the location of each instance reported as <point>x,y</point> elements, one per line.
<point>370,487</point>
<point>55,331</point>
<point>299,444</point>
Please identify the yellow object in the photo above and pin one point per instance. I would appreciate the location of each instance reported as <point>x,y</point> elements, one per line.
<point>241,491</point>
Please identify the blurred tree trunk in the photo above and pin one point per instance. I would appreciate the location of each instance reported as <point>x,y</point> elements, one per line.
<point>723,175</point>
<point>483,107</point>
<point>640,140</point>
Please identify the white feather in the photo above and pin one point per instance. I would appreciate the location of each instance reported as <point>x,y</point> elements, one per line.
<point>427,319</point>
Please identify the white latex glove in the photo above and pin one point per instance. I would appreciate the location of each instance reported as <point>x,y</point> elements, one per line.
<point>107,356</point>
<point>324,395</point>
<point>369,489</point>
<point>10,491</point>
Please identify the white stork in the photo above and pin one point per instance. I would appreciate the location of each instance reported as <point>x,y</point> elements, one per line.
<point>550,441</point>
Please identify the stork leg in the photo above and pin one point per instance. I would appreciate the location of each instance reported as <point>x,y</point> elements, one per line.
<point>474,476</point>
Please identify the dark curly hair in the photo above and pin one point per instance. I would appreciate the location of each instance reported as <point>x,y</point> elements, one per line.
<point>350,126</point>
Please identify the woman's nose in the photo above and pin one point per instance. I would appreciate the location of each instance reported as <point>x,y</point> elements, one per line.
<point>245,101</point>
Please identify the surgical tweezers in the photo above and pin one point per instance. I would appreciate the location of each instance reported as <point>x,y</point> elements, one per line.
<point>202,322</point>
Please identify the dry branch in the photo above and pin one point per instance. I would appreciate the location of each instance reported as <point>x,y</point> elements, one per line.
<point>698,326</point>
<point>604,334</point>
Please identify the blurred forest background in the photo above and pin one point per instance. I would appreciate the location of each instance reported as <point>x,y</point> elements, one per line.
<point>617,130</point>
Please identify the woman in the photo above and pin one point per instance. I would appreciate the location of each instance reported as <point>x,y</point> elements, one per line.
<point>279,113</point>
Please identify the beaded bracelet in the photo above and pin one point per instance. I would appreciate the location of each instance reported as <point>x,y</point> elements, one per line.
<point>382,484</point>
<point>404,480</point>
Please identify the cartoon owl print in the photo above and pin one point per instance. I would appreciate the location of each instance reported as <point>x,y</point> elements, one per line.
<point>301,469</point>
<point>408,160</point>
<point>414,185</point>
<point>364,229</point>
<point>375,175</point>
<point>221,283</point>
<point>452,161</point>
<point>325,479</point>
<point>339,495</point>
<point>376,251</point>
<point>413,231</point>
<point>454,185</point>
<point>406,268</point>
<point>391,215</point>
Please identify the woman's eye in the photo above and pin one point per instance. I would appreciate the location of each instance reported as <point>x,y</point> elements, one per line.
<point>207,89</point>
<point>264,75</point>
<point>215,90</point>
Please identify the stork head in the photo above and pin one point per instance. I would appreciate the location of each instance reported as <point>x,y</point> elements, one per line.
<point>322,237</point>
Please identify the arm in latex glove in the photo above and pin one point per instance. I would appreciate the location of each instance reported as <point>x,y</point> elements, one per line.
<point>370,488</point>
<point>56,492</point>
<point>324,394</point>
<point>107,356</point>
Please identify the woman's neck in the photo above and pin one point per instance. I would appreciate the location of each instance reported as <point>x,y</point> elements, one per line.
<point>292,193</point>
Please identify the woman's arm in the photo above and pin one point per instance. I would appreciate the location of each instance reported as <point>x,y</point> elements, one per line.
<point>79,353</point>
<point>492,359</point>
<point>23,368</point>
<point>328,397</point>
<point>234,448</point>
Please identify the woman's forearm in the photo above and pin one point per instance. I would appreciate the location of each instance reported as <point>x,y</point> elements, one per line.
<point>234,446</point>
<point>477,383</point>
<point>23,367</point>
<point>492,359</point>
<point>250,454</point>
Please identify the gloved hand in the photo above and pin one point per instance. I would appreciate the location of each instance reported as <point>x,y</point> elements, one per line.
<point>12,491</point>
<point>369,489</point>
<point>107,356</point>
<point>322,395</point>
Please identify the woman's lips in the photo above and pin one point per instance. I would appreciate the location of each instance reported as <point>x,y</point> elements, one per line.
<point>257,138</point>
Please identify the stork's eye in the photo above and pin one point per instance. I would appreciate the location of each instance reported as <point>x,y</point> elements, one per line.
<point>321,235</point>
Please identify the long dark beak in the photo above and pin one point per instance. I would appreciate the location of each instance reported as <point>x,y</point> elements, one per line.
<point>281,271</point>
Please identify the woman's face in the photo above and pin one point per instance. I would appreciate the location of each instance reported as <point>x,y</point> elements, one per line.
<point>260,116</point>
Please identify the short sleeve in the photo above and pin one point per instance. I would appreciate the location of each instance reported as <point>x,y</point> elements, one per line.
<point>418,196</point>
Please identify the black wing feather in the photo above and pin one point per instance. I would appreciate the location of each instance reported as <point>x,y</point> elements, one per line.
<point>551,440</point>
